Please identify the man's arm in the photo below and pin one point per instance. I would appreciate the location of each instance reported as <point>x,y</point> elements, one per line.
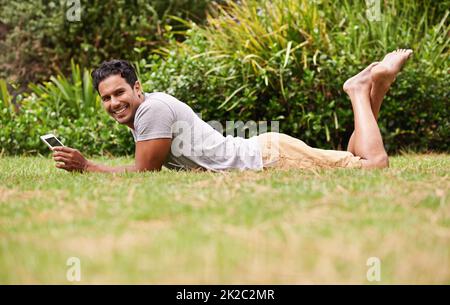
<point>149,156</point>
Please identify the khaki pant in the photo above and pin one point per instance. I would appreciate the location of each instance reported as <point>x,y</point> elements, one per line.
<point>285,152</point>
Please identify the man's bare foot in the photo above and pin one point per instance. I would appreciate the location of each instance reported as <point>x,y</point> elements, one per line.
<point>384,74</point>
<point>361,81</point>
<point>387,70</point>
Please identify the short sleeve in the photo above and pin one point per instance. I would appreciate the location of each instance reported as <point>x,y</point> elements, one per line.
<point>154,120</point>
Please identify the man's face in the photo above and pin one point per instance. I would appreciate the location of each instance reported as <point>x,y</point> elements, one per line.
<point>119,99</point>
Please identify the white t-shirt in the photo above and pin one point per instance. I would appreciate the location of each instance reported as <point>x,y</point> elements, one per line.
<point>195,144</point>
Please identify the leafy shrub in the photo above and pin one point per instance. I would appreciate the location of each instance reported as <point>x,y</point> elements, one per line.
<point>69,98</point>
<point>37,40</point>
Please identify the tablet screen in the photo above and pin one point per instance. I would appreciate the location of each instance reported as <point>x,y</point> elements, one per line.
<point>53,142</point>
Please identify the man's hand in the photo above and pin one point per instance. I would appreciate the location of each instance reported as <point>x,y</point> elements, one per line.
<point>69,159</point>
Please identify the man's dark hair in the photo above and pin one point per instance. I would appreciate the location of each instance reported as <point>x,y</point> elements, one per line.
<point>114,67</point>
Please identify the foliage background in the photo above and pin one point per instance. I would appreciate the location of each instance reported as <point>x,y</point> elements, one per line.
<point>255,60</point>
<point>38,40</point>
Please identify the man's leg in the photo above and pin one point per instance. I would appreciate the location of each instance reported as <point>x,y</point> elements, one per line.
<point>368,143</point>
<point>383,75</point>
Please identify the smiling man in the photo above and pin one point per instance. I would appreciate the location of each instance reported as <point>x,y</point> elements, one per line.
<point>168,133</point>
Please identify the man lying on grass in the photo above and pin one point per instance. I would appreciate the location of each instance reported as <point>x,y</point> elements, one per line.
<point>168,132</point>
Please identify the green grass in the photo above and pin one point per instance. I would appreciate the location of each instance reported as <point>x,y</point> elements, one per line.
<point>267,227</point>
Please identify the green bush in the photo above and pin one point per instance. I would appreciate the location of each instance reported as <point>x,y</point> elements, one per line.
<point>37,40</point>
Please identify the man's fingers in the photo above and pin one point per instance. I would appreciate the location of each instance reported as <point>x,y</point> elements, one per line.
<point>72,159</point>
<point>62,166</point>
<point>61,159</point>
<point>61,154</point>
<point>63,149</point>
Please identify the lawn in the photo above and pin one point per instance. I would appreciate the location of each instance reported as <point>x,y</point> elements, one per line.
<point>252,227</point>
